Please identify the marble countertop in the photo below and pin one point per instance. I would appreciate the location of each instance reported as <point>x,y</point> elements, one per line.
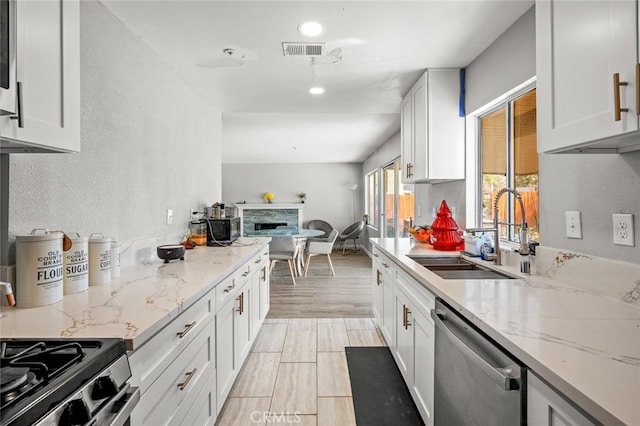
<point>587,345</point>
<point>138,304</point>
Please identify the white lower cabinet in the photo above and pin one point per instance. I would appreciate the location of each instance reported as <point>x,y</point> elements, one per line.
<point>185,372</point>
<point>402,309</point>
<point>546,407</point>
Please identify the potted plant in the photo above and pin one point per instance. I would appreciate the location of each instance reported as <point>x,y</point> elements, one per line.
<point>302,196</point>
<point>268,197</point>
<point>365,218</point>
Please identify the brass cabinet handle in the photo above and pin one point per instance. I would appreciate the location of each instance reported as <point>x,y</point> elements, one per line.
<point>375,255</point>
<point>184,332</point>
<point>242,303</point>
<point>638,89</point>
<point>378,276</point>
<point>189,375</point>
<point>239,299</point>
<point>407,323</point>
<point>404,316</point>
<point>263,276</point>
<point>616,96</point>
<point>385,265</point>
<point>231,287</point>
<point>258,260</point>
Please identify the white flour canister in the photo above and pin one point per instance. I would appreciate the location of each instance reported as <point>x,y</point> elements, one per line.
<point>115,258</point>
<point>99,259</point>
<point>76,265</point>
<point>39,276</point>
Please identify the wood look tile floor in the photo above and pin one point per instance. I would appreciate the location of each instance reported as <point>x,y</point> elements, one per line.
<point>297,373</point>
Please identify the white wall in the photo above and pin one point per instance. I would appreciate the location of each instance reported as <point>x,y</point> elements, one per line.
<point>149,143</point>
<point>326,186</point>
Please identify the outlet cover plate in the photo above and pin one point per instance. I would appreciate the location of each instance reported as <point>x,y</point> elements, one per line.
<point>623,230</point>
<point>573,221</point>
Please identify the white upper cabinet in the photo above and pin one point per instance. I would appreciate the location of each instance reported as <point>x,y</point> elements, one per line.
<point>432,133</point>
<point>582,49</point>
<point>48,73</point>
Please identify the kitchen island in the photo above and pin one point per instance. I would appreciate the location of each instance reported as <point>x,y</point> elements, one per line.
<point>584,343</point>
<point>135,306</point>
<point>188,326</point>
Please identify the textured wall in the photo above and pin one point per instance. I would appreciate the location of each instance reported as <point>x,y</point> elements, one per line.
<point>326,186</point>
<point>597,185</point>
<point>149,143</point>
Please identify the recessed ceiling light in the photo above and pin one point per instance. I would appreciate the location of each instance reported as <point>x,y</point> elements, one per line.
<point>310,29</point>
<point>316,90</point>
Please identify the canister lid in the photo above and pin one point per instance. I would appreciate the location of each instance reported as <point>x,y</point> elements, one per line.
<point>39,235</point>
<point>76,238</point>
<point>99,238</point>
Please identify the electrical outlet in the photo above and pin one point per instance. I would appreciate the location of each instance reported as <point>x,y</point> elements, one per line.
<point>573,224</point>
<point>623,232</point>
<point>169,216</point>
<point>193,214</point>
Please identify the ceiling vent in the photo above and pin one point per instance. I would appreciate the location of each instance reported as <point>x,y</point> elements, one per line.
<point>303,49</point>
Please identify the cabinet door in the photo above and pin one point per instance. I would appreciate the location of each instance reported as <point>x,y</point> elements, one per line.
<point>423,354</point>
<point>254,305</point>
<point>545,407</point>
<point>406,137</point>
<point>388,312</point>
<point>242,326</point>
<point>420,169</point>
<point>378,294</point>
<point>265,291</point>
<point>48,59</point>
<point>579,47</point>
<point>225,367</point>
<point>404,337</point>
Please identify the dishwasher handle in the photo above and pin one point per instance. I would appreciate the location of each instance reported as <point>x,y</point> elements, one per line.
<point>498,375</point>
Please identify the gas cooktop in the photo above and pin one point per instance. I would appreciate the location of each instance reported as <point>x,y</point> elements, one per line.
<point>38,375</point>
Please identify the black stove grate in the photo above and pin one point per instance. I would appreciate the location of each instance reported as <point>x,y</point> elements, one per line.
<point>56,369</point>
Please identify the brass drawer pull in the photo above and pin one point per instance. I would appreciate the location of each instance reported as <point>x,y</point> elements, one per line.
<point>184,332</point>
<point>231,287</point>
<point>378,277</point>
<point>240,300</point>
<point>407,323</point>
<point>189,375</point>
<point>404,316</point>
<point>258,260</point>
<point>616,96</point>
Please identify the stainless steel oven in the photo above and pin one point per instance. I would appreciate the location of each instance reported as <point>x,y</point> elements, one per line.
<point>8,66</point>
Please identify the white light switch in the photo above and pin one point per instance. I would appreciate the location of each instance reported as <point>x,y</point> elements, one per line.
<point>623,232</point>
<point>573,223</point>
<point>169,216</point>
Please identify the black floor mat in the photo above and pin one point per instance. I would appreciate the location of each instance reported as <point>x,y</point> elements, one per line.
<point>380,396</point>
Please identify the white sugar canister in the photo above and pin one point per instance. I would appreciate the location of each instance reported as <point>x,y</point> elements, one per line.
<point>76,265</point>
<point>39,276</point>
<point>99,259</point>
<point>115,258</point>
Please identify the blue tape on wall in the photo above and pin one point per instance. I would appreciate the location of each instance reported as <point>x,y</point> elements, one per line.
<point>461,111</point>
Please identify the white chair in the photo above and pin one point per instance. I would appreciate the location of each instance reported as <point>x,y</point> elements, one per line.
<point>321,247</point>
<point>283,247</point>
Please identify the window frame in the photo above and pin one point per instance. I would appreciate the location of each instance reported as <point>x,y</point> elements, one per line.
<point>474,156</point>
<point>374,217</point>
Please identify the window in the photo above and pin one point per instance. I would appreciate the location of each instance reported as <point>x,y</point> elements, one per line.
<point>509,158</point>
<point>398,202</point>
<point>373,199</point>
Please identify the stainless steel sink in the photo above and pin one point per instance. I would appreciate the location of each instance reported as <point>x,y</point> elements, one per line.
<point>457,268</point>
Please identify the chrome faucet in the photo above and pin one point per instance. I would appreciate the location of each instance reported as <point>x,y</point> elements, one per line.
<point>524,246</point>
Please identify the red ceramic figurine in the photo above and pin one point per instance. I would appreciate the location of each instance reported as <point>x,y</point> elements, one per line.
<point>445,235</point>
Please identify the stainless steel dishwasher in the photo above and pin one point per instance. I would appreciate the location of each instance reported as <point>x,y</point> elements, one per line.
<point>476,381</point>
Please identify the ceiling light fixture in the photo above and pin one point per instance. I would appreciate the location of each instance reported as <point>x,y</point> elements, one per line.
<point>316,90</point>
<point>310,29</point>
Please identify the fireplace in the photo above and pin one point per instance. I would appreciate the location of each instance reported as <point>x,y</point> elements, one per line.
<point>268,216</point>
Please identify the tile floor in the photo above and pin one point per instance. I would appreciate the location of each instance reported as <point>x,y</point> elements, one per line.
<point>297,373</point>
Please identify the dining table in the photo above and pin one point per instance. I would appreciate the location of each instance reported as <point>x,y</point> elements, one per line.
<point>300,234</point>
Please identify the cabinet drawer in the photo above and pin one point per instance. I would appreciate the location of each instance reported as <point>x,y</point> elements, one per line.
<point>225,291</point>
<point>179,385</point>
<point>203,409</point>
<point>148,362</point>
<point>422,298</point>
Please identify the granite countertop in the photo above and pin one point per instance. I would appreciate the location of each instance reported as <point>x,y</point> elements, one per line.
<point>138,304</point>
<point>584,343</point>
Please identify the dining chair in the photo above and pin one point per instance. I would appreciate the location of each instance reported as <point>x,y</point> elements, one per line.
<point>321,247</point>
<point>352,232</point>
<point>283,247</point>
<point>322,226</point>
